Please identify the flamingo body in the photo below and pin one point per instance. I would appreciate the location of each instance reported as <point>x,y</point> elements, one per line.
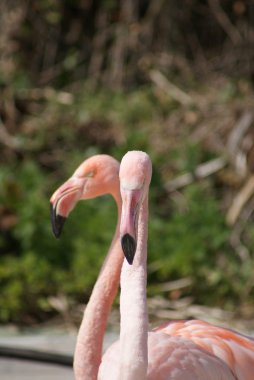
<point>178,350</point>
<point>227,352</point>
<point>235,349</point>
<point>170,358</point>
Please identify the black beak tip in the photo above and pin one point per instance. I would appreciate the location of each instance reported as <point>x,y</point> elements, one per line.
<point>129,247</point>
<point>57,221</point>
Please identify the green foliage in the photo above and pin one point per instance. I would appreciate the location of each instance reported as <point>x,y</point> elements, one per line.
<point>187,233</point>
<point>193,241</point>
<point>78,78</point>
<point>191,236</point>
<point>37,265</point>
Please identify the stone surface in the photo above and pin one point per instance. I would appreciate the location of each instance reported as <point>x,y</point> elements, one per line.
<point>48,340</point>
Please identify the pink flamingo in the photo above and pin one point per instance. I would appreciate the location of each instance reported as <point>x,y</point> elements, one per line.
<point>195,340</point>
<point>96,176</point>
<point>188,350</point>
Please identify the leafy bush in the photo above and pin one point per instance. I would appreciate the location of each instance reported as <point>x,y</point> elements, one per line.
<point>186,241</point>
<point>187,232</point>
<point>37,265</point>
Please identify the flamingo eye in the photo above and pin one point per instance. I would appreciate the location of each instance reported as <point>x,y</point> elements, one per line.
<point>89,175</point>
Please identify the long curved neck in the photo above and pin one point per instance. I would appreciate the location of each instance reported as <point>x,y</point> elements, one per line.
<point>133,307</point>
<point>88,351</point>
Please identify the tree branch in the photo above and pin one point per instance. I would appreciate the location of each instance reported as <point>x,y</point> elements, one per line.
<point>225,22</point>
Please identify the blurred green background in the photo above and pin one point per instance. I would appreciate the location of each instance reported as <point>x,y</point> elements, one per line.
<point>175,79</point>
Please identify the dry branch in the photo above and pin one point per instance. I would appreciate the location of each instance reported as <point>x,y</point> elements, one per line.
<point>239,158</point>
<point>8,140</point>
<point>239,131</point>
<point>98,45</point>
<point>167,312</point>
<point>201,171</point>
<point>239,201</point>
<point>236,234</point>
<point>174,285</point>
<point>171,89</point>
<point>225,22</point>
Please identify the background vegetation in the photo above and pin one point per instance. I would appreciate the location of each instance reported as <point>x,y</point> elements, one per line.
<point>82,77</point>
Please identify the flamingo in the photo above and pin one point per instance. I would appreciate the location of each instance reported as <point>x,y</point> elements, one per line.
<point>179,350</point>
<point>96,176</point>
<point>197,341</point>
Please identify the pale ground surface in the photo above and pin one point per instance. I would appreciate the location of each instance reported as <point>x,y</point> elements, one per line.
<point>49,340</point>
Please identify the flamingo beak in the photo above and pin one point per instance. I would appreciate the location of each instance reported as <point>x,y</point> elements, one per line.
<point>130,207</point>
<point>63,201</point>
<point>57,221</point>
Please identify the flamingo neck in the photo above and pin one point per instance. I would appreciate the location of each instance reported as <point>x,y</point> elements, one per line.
<point>133,307</point>
<point>88,351</point>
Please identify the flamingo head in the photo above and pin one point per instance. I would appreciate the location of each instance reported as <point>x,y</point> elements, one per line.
<point>135,177</point>
<point>96,176</point>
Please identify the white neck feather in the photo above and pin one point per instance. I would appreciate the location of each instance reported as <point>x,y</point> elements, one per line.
<point>133,307</point>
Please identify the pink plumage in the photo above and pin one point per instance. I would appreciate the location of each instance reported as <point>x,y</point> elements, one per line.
<point>177,350</point>
<point>236,350</point>
<point>170,358</point>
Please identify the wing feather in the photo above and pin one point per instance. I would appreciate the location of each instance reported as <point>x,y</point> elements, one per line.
<point>235,349</point>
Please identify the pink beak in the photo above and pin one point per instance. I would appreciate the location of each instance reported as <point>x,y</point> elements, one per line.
<point>130,208</point>
<point>63,201</point>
